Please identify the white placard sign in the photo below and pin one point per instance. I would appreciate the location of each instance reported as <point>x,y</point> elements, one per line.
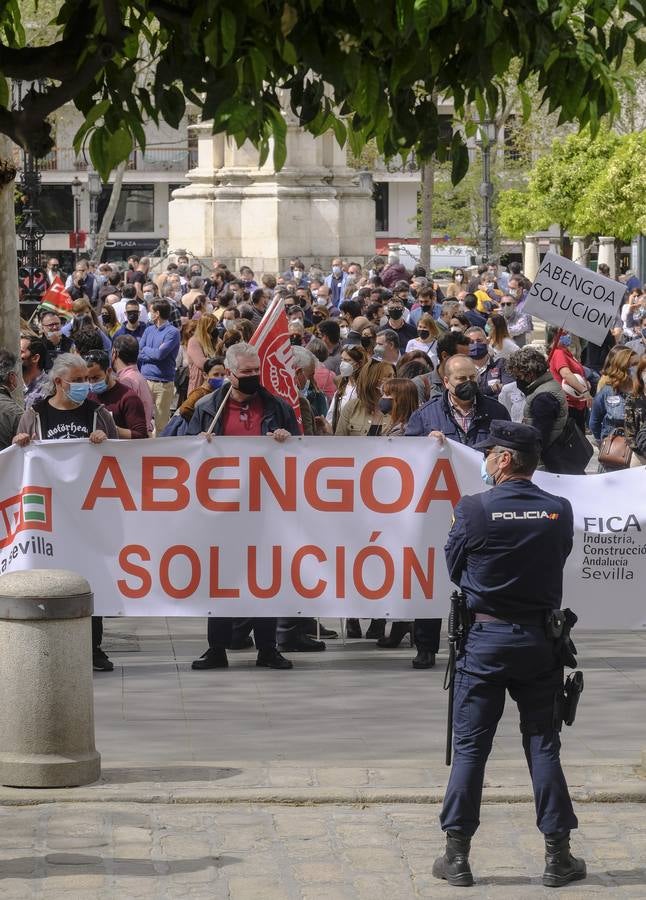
<point>574,298</point>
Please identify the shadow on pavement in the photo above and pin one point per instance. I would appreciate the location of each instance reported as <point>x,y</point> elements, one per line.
<point>67,863</point>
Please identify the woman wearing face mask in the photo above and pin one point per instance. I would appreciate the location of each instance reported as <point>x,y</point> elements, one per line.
<point>67,414</point>
<point>360,417</point>
<point>615,385</point>
<point>399,400</point>
<point>204,344</point>
<point>213,381</point>
<point>500,342</point>
<point>109,320</point>
<point>635,413</point>
<point>457,285</point>
<point>201,305</point>
<point>570,374</point>
<point>459,322</point>
<point>427,334</point>
<point>353,359</point>
<point>369,338</point>
<point>85,317</point>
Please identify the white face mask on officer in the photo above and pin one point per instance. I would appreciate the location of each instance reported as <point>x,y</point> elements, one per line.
<point>487,477</point>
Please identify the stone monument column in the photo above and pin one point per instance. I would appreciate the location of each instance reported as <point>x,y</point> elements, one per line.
<point>531,260</point>
<point>579,254</point>
<point>607,253</point>
<point>240,213</point>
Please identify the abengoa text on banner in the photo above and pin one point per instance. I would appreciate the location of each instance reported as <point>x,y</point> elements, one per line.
<point>314,526</point>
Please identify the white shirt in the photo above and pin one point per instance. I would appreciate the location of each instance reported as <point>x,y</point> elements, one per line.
<point>120,312</point>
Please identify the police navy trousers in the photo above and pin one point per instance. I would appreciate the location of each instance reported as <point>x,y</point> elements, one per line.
<point>500,657</point>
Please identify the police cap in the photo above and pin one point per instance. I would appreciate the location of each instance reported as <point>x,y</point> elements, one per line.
<point>514,435</point>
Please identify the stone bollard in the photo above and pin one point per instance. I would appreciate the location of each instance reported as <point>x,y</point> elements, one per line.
<point>46,689</point>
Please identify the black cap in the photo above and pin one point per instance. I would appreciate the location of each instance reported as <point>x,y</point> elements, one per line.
<point>514,435</point>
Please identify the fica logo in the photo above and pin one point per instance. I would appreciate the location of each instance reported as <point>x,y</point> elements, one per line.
<point>30,510</point>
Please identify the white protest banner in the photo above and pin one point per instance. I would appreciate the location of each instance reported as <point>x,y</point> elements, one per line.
<point>315,526</point>
<point>574,298</point>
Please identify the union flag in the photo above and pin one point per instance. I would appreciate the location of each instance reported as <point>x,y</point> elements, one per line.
<point>277,367</point>
<point>57,296</point>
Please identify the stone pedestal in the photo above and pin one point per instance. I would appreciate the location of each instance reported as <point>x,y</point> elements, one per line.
<point>579,254</point>
<point>607,254</point>
<point>531,258</point>
<point>46,687</point>
<point>239,213</point>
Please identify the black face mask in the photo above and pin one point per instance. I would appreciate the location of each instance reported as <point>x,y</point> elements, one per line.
<point>522,385</point>
<point>425,306</point>
<point>133,316</point>
<point>423,333</point>
<point>367,342</point>
<point>395,313</point>
<point>295,339</point>
<point>466,391</point>
<point>105,320</point>
<point>249,384</point>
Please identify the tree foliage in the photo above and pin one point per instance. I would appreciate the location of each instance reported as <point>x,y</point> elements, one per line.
<point>557,184</point>
<point>613,202</point>
<point>365,69</point>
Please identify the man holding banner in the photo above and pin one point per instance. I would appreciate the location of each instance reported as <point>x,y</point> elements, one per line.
<point>242,407</point>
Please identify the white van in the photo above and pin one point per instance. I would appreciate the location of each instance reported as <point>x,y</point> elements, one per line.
<point>443,256</point>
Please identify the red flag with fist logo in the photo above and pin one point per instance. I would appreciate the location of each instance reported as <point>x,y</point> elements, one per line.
<point>277,366</point>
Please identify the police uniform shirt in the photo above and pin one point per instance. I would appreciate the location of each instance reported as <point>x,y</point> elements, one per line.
<point>507,547</point>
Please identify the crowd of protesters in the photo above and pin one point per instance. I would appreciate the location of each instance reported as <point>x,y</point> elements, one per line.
<point>378,351</point>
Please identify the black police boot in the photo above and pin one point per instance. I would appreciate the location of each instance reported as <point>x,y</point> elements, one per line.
<point>100,661</point>
<point>376,629</point>
<point>398,631</point>
<point>353,628</point>
<point>272,659</point>
<point>454,866</point>
<point>214,658</point>
<point>425,659</point>
<point>560,866</point>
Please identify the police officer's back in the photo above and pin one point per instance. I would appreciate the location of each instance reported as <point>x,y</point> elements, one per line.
<point>506,550</point>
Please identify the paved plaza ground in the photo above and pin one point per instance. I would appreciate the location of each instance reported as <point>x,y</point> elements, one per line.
<point>320,782</point>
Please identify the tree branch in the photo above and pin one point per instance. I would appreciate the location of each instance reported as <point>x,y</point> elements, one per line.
<point>167,11</point>
<point>57,61</point>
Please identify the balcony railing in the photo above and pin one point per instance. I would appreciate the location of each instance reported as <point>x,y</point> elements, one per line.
<point>155,159</point>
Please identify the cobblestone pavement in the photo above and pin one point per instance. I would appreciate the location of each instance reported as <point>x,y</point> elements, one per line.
<point>331,852</point>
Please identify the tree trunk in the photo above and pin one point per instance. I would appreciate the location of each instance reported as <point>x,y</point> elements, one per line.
<point>426,231</point>
<point>9,309</point>
<point>108,216</point>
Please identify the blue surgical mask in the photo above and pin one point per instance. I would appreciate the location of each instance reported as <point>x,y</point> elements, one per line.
<point>565,340</point>
<point>100,387</point>
<point>486,477</point>
<point>216,383</point>
<point>78,391</point>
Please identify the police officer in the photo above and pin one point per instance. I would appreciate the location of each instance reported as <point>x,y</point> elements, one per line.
<point>494,544</point>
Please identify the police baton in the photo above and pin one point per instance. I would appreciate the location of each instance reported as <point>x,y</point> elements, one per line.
<point>454,629</point>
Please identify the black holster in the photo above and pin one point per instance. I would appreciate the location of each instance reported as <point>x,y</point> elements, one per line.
<point>567,700</point>
<point>558,626</point>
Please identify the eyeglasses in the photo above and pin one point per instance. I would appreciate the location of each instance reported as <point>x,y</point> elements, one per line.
<point>100,357</point>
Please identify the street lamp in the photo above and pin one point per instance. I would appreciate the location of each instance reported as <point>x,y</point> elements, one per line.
<point>486,136</point>
<point>95,188</point>
<point>30,231</point>
<point>77,190</point>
